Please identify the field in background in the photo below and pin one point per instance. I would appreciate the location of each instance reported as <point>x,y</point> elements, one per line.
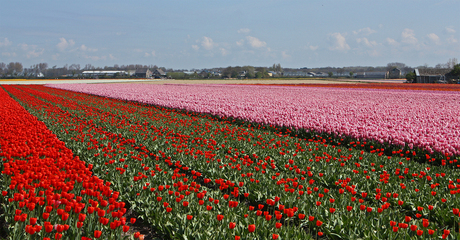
<point>202,81</point>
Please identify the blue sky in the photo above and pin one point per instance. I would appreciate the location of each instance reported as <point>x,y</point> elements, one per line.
<point>204,34</point>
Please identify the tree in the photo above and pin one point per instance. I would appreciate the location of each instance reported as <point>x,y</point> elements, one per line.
<point>249,71</point>
<point>398,65</point>
<point>89,67</point>
<point>452,63</point>
<point>330,74</point>
<point>456,70</point>
<point>14,68</point>
<point>42,67</point>
<point>410,77</point>
<point>259,75</point>
<point>351,74</point>
<point>278,68</point>
<point>3,68</point>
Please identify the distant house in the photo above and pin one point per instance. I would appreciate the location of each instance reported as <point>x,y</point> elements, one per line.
<point>297,74</point>
<point>379,75</point>
<point>131,73</point>
<point>321,74</point>
<point>158,73</point>
<point>394,73</point>
<point>143,73</point>
<point>432,75</point>
<point>96,74</point>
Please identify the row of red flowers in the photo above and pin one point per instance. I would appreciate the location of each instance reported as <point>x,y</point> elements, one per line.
<point>50,192</point>
<point>326,183</point>
<point>170,201</point>
<point>378,195</point>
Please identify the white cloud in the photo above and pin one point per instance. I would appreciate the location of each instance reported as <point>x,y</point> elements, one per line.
<point>374,53</point>
<point>366,42</point>
<point>96,58</point>
<point>313,48</point>
<point>5,42</point>
<point>408,36</point>
<point>224,51</point>
<point>450,30</point>
<point>24,46</point>
<point>240,42</point>
<point>255,42</point>
<point>365,31</point>
<point>63,44</point>
<point>112,57</point>
<point>434,38</point>
<point>7,54</point>
<point>87,49</point>
<point>207,43</point>
<point>338,42</point>
<point>452,39</point>
<point>34,53</point>
<point>244,30</point>
<point>195,47</point>
<point>150,54</point>
<point>391,41</point>
<point>285,55</point>
<point>55,56</point>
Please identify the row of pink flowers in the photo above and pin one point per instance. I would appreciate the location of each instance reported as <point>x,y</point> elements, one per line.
<point>425,119</point>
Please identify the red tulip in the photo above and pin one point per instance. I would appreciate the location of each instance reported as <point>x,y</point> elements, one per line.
<point>97,233</point>
<point>220,217</point>
<point>407,219</point>
<point>49,228</point>
<point>251,228</point>
<point>231,225</point>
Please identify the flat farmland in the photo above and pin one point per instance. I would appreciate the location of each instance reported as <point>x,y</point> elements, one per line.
<point>242,160</point>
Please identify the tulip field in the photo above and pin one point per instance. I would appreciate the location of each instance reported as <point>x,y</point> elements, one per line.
<point>229,162</point>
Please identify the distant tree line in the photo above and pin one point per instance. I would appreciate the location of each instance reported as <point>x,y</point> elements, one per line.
<point>16,70</point>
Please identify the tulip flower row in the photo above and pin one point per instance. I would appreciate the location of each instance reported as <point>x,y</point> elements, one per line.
<point>408,119</point>
<point>50,193</point>
<point>388,86</point>
<point>263,180</point>
<point>172,202</point>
